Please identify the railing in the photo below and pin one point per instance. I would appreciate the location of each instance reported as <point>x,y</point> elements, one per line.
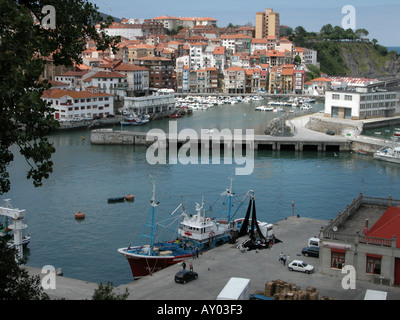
<point>328,233</point>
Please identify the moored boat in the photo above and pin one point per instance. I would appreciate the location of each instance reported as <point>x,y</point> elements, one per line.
<point>196,233</point>
<point>388,154</point>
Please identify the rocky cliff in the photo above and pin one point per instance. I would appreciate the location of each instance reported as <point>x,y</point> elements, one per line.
<point>365,60</point>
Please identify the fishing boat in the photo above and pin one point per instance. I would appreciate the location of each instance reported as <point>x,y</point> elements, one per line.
<point>388,154</point>
<point>196,233</point>
<point>396,133</point>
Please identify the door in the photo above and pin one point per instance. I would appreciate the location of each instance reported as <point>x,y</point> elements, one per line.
<point>397,271</point>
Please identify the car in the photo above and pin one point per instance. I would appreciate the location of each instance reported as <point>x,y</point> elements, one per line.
<point>310,251</point>
<point>184,276</point>
<point>330,132</point>
<point>298,265</point>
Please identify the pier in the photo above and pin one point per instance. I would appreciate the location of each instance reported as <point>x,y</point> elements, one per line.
<point>320,142</point>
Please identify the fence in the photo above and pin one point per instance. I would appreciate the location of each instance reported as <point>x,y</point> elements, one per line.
<point>329,233</point>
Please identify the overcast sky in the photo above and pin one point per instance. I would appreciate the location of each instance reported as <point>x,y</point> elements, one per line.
<point>379,17</point>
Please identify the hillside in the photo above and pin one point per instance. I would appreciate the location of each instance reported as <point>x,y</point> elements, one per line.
<point>356,59</point>
<point>365,60</point>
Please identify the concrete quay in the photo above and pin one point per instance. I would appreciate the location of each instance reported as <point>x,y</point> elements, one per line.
<point>216,266</point>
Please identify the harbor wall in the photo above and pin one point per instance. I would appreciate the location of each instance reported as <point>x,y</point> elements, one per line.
<point>261,142</point>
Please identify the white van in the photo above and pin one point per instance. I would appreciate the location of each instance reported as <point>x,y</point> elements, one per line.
<point>313,242</point>
<point>235,289</point>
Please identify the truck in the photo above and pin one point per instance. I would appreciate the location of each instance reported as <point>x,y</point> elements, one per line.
<point>235,289</point>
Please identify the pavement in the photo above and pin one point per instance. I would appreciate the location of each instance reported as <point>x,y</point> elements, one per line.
<point>218,265</point>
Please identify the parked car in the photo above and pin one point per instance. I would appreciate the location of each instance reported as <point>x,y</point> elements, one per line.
<point>184,276</point>
<point>298,265</point>
<point>330,132</point>
<point>310,251</point>
<point>77,119</point>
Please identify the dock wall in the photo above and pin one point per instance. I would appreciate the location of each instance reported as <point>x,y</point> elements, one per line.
<point>261,142</point>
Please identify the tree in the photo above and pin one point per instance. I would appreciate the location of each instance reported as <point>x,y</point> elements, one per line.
<point>105,292</point>
<point>15,283</point>
<point>31,31</point>
<point>326,30</point>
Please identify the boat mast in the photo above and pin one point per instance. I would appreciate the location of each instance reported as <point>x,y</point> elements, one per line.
<point>230,195</point>
<point>154,205</point>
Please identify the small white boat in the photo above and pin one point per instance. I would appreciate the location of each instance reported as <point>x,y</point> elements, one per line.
<point>388,154</point>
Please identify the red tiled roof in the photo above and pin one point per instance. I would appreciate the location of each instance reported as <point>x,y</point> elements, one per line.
<point>387,226</point>
<point>59,93</point>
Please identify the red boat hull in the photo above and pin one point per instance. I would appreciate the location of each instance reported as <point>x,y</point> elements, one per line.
<point>142,266</point>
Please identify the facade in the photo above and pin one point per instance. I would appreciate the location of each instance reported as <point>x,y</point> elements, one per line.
<point>137,79</point>
<point>234,80</point>
<point>69,104</point>
<point>298,81</point>
<point>161,72</point>
<point>360,103</point>
<point>364,236</point>
<point>109,82</point>
<point>159,101</point>
<point>267,24</point>
<point>171,22</point>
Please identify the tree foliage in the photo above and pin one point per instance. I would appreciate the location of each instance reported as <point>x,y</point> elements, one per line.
<point>106,292</point>
<point>26,120</point>
<point>15,282</point>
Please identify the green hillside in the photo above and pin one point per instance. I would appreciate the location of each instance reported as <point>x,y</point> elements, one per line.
<point>348,53</point>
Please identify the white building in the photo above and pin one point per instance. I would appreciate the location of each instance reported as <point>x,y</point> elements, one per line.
<point>360,103</point>
<point>69,104</point>
<point>137,78</point>
<point>162,100</point>
<point>126,30</point>
<point>310,57</point>
<point>108,82</point>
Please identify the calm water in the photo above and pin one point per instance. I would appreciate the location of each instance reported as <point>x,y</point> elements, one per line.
<point>85,175</point>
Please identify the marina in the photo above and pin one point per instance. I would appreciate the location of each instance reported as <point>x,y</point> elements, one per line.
<point>317,184</point>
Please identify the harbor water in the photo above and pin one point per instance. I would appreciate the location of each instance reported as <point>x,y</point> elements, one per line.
<point>311,184</point>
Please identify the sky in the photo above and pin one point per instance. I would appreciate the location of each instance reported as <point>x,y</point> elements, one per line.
<point>380,17</point>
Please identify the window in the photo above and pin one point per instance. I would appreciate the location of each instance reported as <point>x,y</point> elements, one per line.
<point>335,96</point>
<point>337,259</point>
<point>348,97</point>
<point>374,264</point>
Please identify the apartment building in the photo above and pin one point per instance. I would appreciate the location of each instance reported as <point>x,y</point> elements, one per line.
<point>234,80</point>
<point>69,104</point>
<point>171,22</point>
<point>109,82</point>
<point>161,72</point>
<point>137,79</point>
<point>267,24</point>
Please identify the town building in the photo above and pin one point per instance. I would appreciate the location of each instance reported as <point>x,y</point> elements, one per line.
<point>161,72</point>
<point>137,79</point>
<point>109,82</point>
<point>364,237</point>
<point>267,24</point>
<point>171,22</point>
<point>234,80</point>
<point>160,101</point>
<point>70,104</point>
<point>360,103</point>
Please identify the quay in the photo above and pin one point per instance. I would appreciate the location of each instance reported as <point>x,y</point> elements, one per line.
<point>309,135</point>
<point>217,266</point>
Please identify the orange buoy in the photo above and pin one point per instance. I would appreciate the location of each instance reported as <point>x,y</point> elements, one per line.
<point>79,215</point>
<point>129,197</point>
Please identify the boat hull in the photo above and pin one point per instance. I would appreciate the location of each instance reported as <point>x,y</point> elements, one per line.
<point>142,265</point>
<point>386,158</point>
